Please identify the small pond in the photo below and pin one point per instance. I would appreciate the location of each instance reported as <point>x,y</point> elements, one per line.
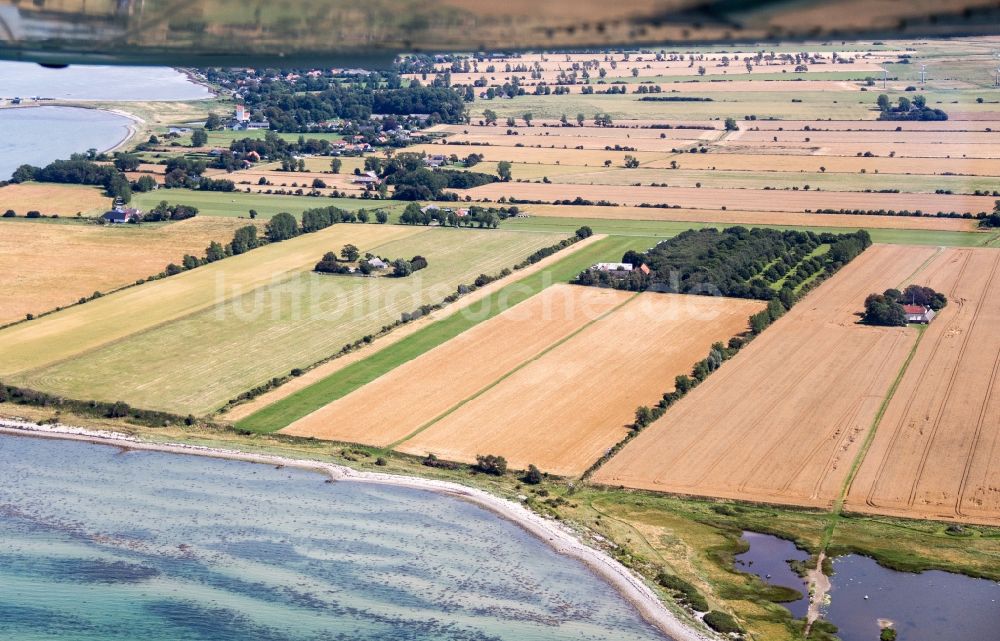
<point>768,558</point>
<point>930,606</point>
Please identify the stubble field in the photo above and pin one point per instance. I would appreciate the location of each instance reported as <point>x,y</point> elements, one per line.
<point>937,450</point>
<point>565,408</point>
<point>740,199</point>
<point>784,419</point>
<point>51,265</point>
<point>395,405</point>
<point>50,198</point>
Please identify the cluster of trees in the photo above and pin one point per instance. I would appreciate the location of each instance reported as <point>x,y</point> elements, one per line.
<point>332,264</point>
<point>413,180</point>
<point>294,111</point>
<point>992,220</point>
<point>164,211</point>
<point>323,217</point>
<point>482,217</point>
<point>731,262</point>
<point>887,308</point>
<point>906,109</point>
<point>78,171</point>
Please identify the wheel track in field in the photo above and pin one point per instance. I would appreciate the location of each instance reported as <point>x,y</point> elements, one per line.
<point>966,339</point>
<point>897,429</point>
<point>779,443</point>
<point>855,408</point>
<point>963,485</point>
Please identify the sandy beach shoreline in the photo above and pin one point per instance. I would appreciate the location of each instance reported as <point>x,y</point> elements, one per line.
<point>559,537</point>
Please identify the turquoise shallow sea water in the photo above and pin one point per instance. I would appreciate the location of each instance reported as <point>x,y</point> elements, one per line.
<point>97,543</point>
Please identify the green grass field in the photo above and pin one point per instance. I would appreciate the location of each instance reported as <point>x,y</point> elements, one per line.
<point>352,377</point>
<point>238,204</point>
<point>666,229</point>
<point>197,362</point>
<point>837,105</point>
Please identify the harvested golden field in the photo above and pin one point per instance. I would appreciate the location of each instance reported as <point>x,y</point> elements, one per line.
<point>564,409</point>
<point>937,450</point>
<point>930,151</point>
<point>541,140</point>
<point>412,395</point>
<point>741,199</point>
<point>958,139</point>
<point>542,155</point>
<point>50,265</point>
<point>51,198</point>
<point>754,217</point>
<point>605,135</point>
<point>832,164</point>
<point>783,420</point>
<point>952,124</point>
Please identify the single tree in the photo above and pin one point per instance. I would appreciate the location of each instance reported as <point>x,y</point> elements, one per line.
<point>350,253</point>
<point>199,138</point>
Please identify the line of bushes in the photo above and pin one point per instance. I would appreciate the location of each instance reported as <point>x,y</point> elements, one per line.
<point>96,409</point>
<point>902,212</point>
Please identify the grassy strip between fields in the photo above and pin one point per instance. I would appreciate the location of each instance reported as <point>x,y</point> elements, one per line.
<point>286,411</point>
<point>838,504</point>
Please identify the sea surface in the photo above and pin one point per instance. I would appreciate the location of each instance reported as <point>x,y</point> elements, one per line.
<point>94,82</point>
<point>39,135</point>
<point>100,543</point>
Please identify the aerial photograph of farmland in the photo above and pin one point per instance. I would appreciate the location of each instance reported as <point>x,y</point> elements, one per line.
<point>433,320</point>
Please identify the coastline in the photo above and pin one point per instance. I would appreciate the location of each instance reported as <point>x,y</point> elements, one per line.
<point>559,537</point>
<point>131,129</point>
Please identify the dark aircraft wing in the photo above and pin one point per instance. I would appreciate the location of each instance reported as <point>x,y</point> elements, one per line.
<point>370,32</point>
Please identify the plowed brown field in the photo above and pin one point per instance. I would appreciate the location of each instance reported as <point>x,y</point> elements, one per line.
<point>783,420</point>
<point>743,199</point>
<point>564,410</point>
<point>395,405</point>
<point>937,450</point>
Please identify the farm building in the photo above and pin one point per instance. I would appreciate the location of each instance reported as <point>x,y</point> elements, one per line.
<point>613,268</point>
<point>377,263</point>
<point>122,215</point>
<point>368,179</point>
<point>918,314</point>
